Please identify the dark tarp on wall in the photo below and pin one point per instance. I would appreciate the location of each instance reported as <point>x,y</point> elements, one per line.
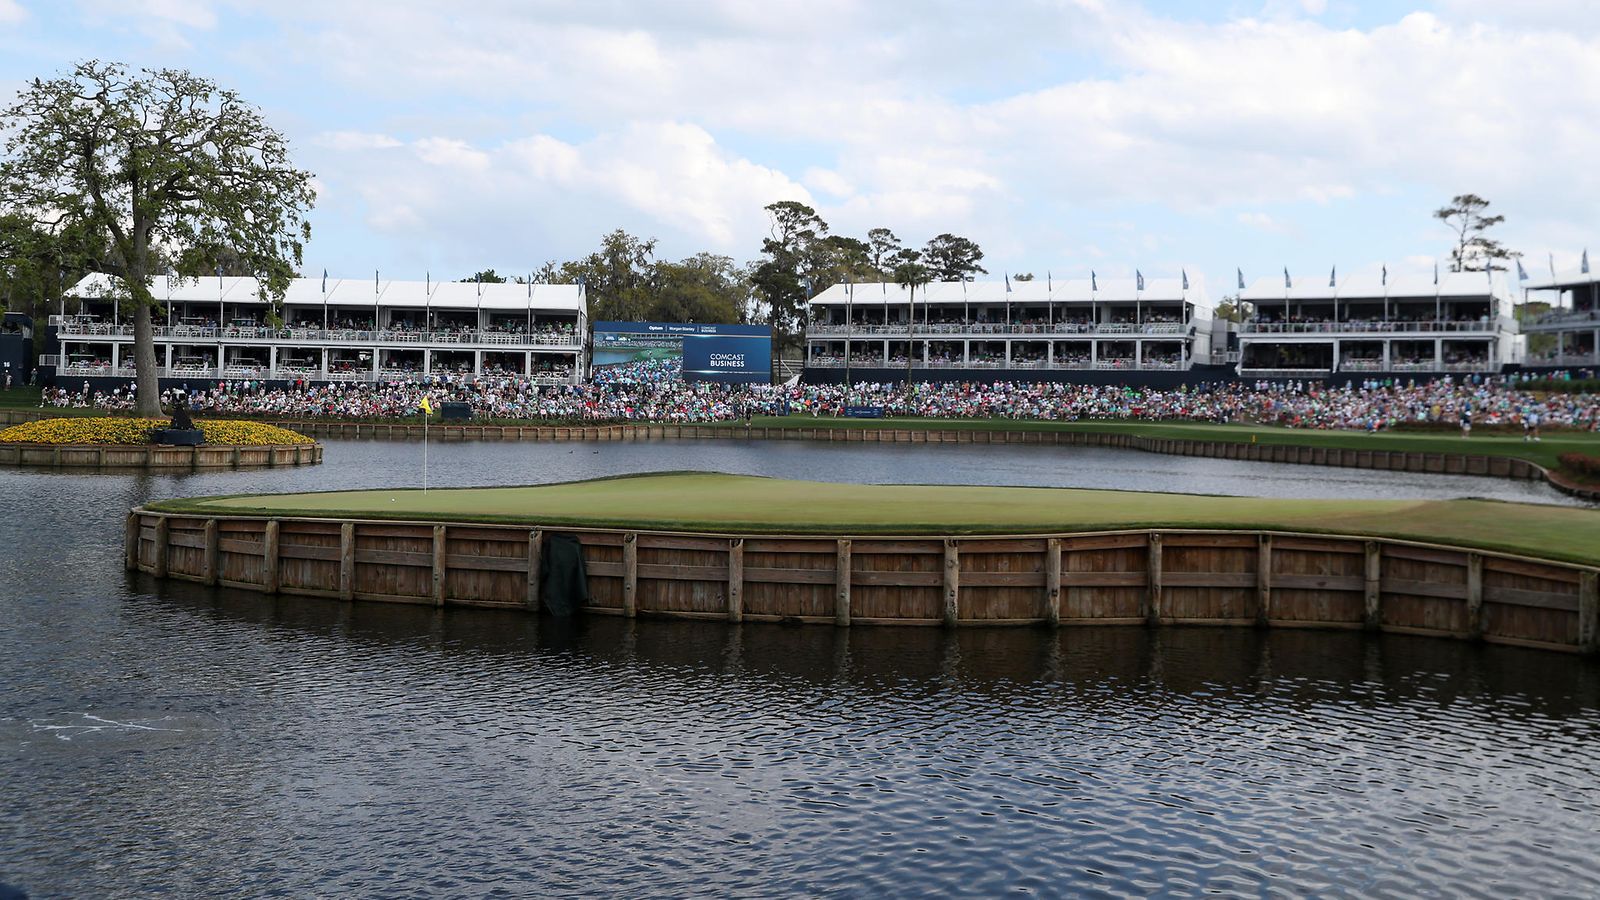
<point>566,585</point>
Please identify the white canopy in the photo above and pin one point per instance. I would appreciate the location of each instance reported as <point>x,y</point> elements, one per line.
<point>356,292</point>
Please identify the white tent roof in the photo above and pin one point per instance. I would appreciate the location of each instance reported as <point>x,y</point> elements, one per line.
<point>356,292</point>
<point>1036,291</point>
<point>1363,286</point>
<point>1569,279</point>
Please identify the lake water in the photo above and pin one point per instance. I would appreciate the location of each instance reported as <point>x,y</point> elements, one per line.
<point>169,737</point>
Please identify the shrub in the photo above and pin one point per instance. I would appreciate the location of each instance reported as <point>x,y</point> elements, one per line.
<point>107,430</point>
<point>1581,465</point>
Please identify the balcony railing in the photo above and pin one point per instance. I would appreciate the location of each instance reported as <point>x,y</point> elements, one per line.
<point>252,373</point>
<point>1119,364</point>
<point>1368,327</point>
<point>71,327</point>
<point>936,329</point>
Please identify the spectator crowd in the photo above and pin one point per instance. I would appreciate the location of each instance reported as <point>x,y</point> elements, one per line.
<point>1368,405</point>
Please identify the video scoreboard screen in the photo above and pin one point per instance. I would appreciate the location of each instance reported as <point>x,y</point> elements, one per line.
<point>643,352</point>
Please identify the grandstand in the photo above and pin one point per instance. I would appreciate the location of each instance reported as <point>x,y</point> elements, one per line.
<point>1460,322</point>
<point>1029,330</point>
<point>329,330</point>
<point>1568,333</point>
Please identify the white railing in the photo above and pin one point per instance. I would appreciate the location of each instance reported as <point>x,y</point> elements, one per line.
<point>1252,372</point>
<point>1361,365</point>
<point>1558,318</point>
<point>936,329</point>
<point>1367,327</point>
<point>70,326</point>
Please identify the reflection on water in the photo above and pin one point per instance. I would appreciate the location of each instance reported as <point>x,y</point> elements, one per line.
<point>195,740</point>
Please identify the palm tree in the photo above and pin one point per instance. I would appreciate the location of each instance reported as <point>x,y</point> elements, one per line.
<point>909,273</point>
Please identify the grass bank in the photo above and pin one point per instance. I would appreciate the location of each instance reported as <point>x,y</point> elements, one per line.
<point>742,504</point>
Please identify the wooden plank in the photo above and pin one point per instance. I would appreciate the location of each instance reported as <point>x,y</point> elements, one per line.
<point>1263,579</point>
<point>1426,554</point>
<point>951,607</point>
<point>534,561</point>
<point>870,547</point>
<point>1052,581</point>
<point>841,582</point>
<point>735,580</point>
<point>1589,612</point>
<point>680,542</point>
<point>208,564</point>
<point>130,541</point>
<point>186,539</point>
<point>1318,582</point>
<point>790,545</point>
<point>1193,539</point>
<point>161,547</point>
<point>766,575</point>
<point>665,572</point>
<point>1475,595</point>
<point>469,563</point>
<point>391,557</point>
<point>603,569</point>
<point>1152,591</point>
<point>896,579</point>
<point>1209,579</point>
<point>600,538</point>
<point>1103,542</point>
<point>439,562</point>
<point>630,574</point>
<point>1372,586</point>
<point>244,548</point>
<point>1321,545</point>
<point>370,529</point>
<point>1546,571</point>
<point>1105,579</point>
<point>1536,599</point>
<point>1003,579</point>
<point>305,551</point>
<point>1424,589</point>
<point>1011,545</point>
<point>269,558</point>
<point>347,561</point>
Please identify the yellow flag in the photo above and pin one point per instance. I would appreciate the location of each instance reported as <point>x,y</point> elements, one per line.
<point>425,405</point>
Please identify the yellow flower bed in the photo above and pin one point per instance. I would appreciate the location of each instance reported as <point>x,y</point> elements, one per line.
<point>107,430</point>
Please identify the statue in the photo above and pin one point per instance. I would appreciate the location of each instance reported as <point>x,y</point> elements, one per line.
<point>181,433</point>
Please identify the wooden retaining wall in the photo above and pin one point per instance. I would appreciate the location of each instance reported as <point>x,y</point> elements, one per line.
<point>151,456</point>
<point>1154,577</point>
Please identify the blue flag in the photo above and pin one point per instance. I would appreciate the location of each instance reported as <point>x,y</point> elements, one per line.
<point>1008,282</point>
<point>375,281</point>
<point>1584,268</point>
<point>324,281</point>
<point>1333,277</point>
<point>1522,274</point>
<point>1094,283</point>
<point>1436,272</point>
<point>1185,278</point>
<point>1385,275</point>
<point>1286,282</point>
<point>1240,273</point>
<point>1138,280</point>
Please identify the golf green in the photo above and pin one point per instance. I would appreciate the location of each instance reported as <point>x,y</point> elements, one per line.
<point>708,502</point>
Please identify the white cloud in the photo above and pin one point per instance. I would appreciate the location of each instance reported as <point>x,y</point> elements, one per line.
<point>347,141</point>
<point>12,12</point>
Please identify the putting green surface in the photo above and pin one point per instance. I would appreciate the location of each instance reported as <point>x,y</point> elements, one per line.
<point>743,504</point>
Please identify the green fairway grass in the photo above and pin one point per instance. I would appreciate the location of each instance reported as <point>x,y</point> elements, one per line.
<point>696,501</point>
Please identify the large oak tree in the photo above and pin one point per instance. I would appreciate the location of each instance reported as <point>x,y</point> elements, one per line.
<point>174,169</point>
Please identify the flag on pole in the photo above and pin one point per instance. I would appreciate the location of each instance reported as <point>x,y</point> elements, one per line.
<point>374,281</point>
<point>1522,274</point>
<point>1287,282</point>
<point>1185,273</point>
<point>1584,266</point>
<point>1049,282</point>
<point>324,282</point>
<point>1385,279</point>
<point>1008,281</point>
<point>1094,282</point>
<point>1333,277</point>
<point>426,405</point>
<point>1552,266</point>
<point>1240,273</point>
<point>1436,273</point>
<point>1138,280</point>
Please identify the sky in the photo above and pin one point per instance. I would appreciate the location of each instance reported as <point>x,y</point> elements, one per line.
<point>1061,135</point>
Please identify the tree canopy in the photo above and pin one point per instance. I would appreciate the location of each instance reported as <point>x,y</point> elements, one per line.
<point>1468,216</point>
<point>173,170</point>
